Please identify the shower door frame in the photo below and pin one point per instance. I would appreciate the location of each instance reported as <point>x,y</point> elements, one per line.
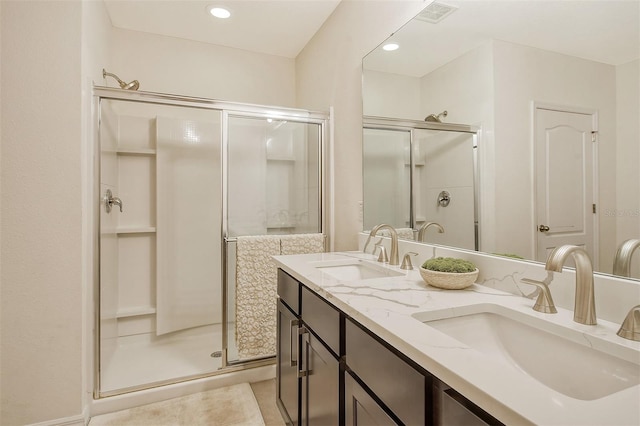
<point>225,108</point>
<point>411,126</point>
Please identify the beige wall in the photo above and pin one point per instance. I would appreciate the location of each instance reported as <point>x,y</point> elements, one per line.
<point>391,95</point>
<point>41,225</point>
<point>173,65</point>
<point>329,73</point>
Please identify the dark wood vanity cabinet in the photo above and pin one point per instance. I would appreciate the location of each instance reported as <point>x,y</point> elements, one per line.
<point>333,371</point>
<point>308,367</point>
<point>403,391</point>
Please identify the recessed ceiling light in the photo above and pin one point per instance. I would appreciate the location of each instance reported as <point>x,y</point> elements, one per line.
<point>390,46</point>
<point>219,12</point>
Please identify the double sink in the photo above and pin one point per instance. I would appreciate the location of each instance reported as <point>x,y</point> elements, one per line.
<point>578,365</point>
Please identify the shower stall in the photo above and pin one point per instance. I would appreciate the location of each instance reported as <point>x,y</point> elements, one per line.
<point>418,172</point>
<point>180,181</point>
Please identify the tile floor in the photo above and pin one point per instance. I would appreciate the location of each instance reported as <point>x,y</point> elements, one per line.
<point>265,393</point>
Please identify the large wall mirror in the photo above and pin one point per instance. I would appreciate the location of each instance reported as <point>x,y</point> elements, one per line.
<point>552,91</point>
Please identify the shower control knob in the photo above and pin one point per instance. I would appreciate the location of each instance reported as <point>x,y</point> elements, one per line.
<point>543,228</point>
<point>444,198</point>
<point>110,201</point>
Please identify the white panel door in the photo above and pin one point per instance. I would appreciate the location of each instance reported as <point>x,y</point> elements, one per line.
<point>564,153</point>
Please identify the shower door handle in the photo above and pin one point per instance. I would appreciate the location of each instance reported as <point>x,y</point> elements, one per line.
<point>110,201</point>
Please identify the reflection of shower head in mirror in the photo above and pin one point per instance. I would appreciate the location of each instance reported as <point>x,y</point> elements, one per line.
<point>134,85</point>
<point>436,118</point>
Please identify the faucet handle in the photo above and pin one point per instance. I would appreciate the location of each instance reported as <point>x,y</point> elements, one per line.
<point>382,257</point>
<point>406,260</point>
<point>544,303</point>
<point>630,328</point>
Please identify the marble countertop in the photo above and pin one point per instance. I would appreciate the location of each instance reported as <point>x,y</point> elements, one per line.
<point>386,305</point>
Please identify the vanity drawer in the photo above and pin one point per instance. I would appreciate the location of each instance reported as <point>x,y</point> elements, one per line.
<point>322,318</point>
<point>289,291</point>
<point>402,388</point>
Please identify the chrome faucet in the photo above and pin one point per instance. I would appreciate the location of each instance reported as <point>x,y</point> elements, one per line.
<point>584,311</point>
<point>393,256</point>
<point>622,261</point>
<point>423,229</point>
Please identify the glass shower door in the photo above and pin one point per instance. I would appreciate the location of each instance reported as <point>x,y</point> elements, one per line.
<point>160,313</point>
<point>273,176</point>
<point>273,190</point>
<point>386,178</point>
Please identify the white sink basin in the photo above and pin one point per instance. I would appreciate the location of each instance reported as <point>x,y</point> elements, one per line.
<point>556,356</point>
<point>355,270</point>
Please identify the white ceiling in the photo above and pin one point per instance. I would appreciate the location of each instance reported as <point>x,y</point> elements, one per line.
<point>274,27</point>
<point>605,31</point>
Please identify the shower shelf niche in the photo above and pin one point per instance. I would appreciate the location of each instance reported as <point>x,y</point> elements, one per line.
<point>291,159</point>
<point>136,151</point>
<point>140,230</point>
<point>135,311</point>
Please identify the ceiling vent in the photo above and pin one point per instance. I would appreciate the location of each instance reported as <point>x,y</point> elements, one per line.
<point>436,12</point>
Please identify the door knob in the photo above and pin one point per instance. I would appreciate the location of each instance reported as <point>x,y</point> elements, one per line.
<point>110,201</point>
<point>543,228</point>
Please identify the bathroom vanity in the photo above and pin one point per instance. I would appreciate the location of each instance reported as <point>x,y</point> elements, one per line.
<point>360,342</point>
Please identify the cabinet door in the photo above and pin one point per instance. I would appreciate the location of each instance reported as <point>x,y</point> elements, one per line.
<point>453,409</point>
<point>320,403</point>
<point>360,408</point>
<point>402,388</point>
<point>287,382</point>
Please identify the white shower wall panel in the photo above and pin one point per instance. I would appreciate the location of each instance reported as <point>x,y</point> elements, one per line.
<point>444,162</point>
<point>278,188</point>
<point>136,325</point>
<point>108,276</point>
<point>108,233</point>
<point>247,198</point>
<point>456,219</point>
<point>136,280</point>
<point>136,131</point>
<point>137,183</point>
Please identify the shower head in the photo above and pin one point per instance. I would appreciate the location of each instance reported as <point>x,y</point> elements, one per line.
<point>134,85</point>
<point>436,118</point>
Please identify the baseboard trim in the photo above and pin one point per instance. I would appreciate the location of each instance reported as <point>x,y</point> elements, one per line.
<point>78,420</point>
